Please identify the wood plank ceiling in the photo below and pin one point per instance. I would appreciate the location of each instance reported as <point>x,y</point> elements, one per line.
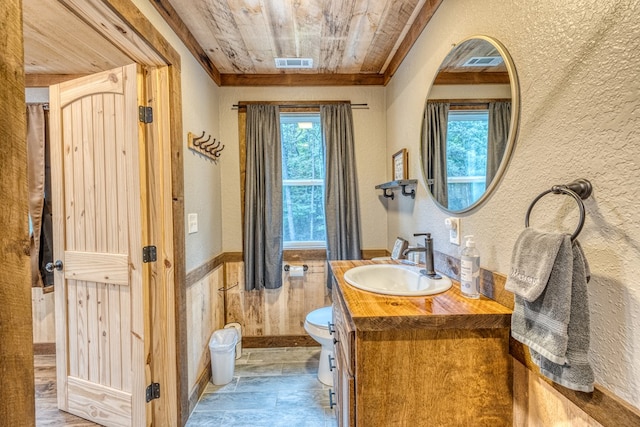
<point>57,42</point>
<point>237,41</point>
<point>349,41</point>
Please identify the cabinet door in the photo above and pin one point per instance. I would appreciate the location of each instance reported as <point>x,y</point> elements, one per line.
<point>343,380</point>
<point>345,392</point>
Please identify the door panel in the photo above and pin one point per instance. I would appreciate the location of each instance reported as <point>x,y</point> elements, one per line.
<point>97,267</point>
<point>98,234</point>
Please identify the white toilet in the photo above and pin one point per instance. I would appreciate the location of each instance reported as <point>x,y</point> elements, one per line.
<point>317,325</point>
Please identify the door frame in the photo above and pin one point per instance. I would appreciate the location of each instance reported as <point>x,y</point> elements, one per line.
<point>16,330</point>
<point>126,17</point>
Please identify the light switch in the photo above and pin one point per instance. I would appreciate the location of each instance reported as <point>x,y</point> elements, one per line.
<point>192,219</point>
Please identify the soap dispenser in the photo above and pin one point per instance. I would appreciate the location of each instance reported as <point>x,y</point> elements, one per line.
<point>470,269</point>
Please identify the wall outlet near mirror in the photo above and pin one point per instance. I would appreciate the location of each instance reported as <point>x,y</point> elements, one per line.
<point>453,224</point>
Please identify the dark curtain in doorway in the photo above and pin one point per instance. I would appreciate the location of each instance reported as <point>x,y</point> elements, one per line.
<point>39,177</point>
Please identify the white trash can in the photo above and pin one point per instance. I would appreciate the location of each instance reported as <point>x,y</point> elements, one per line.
<point>222,346</point>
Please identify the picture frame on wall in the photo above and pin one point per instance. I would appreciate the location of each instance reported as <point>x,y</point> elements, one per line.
<point>400,165</point>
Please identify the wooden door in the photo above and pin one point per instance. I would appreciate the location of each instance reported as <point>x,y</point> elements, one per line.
<point>102,321</point>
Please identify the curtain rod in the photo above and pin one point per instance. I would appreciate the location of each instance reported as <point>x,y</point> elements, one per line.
<point>45,105</point>
<point>355,106</point>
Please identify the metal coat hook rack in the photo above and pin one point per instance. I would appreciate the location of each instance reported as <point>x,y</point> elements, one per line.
<point>206,147</point>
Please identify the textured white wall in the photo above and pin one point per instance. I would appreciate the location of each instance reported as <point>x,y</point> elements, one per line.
<point>578,64</point>
<point>371,157</point>
<point>201,176</point>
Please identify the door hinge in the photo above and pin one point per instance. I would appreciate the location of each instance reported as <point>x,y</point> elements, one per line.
<point>149,254</point>
<point>153,391</point>
<point>145,114</point>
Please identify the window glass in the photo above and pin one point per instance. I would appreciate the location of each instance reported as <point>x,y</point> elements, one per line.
<point>467,134</point>
<point>302,180</point>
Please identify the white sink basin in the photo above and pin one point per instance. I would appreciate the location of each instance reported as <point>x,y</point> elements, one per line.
<point>393,279</point>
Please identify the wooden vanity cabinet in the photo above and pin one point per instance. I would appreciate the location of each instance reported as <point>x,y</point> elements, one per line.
<point>418,370</point>
<point>343,381</point>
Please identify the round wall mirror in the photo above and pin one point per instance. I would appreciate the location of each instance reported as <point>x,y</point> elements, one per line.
<point>469,124</point>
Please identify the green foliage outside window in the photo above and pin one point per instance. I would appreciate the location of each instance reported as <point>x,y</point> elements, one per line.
<point>467,134</point>
<point>303,179</point>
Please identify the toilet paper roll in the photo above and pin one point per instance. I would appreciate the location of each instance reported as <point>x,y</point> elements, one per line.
<point>296,271</point>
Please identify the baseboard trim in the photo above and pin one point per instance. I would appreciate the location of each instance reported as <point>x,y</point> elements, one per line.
<point>44,348</point>
<point>198,389</point>
<point>279,341</point>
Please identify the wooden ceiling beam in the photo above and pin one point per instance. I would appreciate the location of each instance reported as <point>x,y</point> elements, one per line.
<point>424,16</point>
<point>113,26</point>
<point>301,79</point>
<point>46,80</point>
<point>471,78</point>
<point>172,18</point>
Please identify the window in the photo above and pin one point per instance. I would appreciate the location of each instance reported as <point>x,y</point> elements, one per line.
<point>302,181</point>
<point>467,135</point>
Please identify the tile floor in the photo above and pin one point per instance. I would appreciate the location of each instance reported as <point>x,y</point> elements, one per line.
<point>271,387</point>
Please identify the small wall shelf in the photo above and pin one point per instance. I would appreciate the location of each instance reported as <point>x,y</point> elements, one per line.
<point>388,188</point>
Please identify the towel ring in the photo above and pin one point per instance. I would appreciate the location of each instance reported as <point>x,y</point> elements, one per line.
<point>579,190</point>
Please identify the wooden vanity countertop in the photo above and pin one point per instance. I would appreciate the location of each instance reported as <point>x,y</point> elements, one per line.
<point>446,310</point>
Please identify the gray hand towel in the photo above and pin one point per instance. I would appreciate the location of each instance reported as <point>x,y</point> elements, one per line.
<point>532,260</point>
<point>555,325</point>
<point>542,323</point>
<point>576,372</point>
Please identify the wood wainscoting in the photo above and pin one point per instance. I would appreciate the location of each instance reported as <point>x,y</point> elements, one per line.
<point>273,313</point>
<point>275,317</point>
<point>44,317</point>
<point>205,314</point>
<point>536,400</point>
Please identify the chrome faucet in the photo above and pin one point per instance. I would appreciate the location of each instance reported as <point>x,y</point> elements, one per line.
<point>428,250</point>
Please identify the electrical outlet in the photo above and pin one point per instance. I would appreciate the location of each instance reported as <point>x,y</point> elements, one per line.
<point>192,220</point>
<point>453,224</point>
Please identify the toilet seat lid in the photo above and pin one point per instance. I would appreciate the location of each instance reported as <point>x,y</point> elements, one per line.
<point>321,317</point>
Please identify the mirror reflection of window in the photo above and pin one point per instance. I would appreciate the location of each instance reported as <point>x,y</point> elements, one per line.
<point>469,124</point>
<point>467,135</point>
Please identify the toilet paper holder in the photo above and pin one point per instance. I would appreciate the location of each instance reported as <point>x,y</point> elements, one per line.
<point>287,267</point>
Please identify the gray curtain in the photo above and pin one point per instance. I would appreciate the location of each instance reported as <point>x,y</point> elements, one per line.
<point>341,184</point>
<point>499,121</point>
<point>263,199</point>
<point>39,194</point>
<point>435,146</point>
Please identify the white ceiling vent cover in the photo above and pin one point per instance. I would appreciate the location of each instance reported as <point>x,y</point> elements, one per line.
<point>294,62</point>
<point>483,61</point>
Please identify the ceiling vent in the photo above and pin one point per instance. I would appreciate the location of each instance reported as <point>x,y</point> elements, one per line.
<point>483,61</point>
<point>294,62</point>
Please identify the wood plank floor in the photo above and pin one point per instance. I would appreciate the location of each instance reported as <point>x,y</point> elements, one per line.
<point>47,412</point>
